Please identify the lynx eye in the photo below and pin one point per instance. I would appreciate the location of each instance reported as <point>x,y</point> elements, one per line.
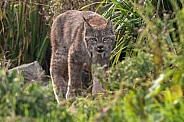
<point>93,39</point>
<point>106,39</point>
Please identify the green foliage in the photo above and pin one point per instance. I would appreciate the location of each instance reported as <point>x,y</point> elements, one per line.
<point>146,86</point>
<point>19,101</point>
<point>132,71</point>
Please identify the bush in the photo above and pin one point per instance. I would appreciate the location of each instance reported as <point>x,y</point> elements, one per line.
<point>19,101</point>
<point>145,86</point>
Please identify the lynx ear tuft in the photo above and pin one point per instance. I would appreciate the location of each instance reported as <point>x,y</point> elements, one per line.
<point>109,25</point>
<point>84,19</point>
<point>86,24</point>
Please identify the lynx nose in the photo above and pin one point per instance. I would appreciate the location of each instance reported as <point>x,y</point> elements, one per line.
<point>100,47</point>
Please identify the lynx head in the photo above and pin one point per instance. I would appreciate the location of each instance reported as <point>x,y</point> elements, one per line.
<point>99,36</point>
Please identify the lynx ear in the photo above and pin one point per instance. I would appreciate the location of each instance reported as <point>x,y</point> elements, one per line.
<point>109,25</point>
<point>86,24</point>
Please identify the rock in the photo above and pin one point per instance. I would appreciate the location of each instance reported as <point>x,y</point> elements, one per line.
<point>32,72</point>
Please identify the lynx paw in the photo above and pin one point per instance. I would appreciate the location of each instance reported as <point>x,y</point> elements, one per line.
<point>96,90</point>
<point>73,93</point>
<point>97,86</point>
<point>69,95</point>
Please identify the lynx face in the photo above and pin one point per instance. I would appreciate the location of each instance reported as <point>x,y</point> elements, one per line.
<point>99,41</point>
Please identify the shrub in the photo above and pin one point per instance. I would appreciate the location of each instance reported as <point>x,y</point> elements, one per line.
<point>145,86</point>
<point>19,101</point>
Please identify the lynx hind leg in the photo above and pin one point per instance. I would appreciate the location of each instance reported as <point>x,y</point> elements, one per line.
<point>86,76</point>
<point>58,81</point>
<point>86,79</point>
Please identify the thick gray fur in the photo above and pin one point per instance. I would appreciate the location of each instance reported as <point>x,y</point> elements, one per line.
<point>79,39</point>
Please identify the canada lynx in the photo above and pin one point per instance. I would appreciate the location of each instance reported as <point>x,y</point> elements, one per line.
<point>79,39</point>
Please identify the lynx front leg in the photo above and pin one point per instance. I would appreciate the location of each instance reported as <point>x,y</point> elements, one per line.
<point>58,81</point>
<point>58,87</point>
<point>75,80</point>
<point>97,85</point>
<point>98,73</point>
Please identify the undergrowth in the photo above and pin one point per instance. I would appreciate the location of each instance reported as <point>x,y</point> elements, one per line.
<point>147,85</point>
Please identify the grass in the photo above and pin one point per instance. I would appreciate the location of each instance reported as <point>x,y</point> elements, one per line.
<point>126,24</point>
<point>24,32</point>
<point>147,85</point>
